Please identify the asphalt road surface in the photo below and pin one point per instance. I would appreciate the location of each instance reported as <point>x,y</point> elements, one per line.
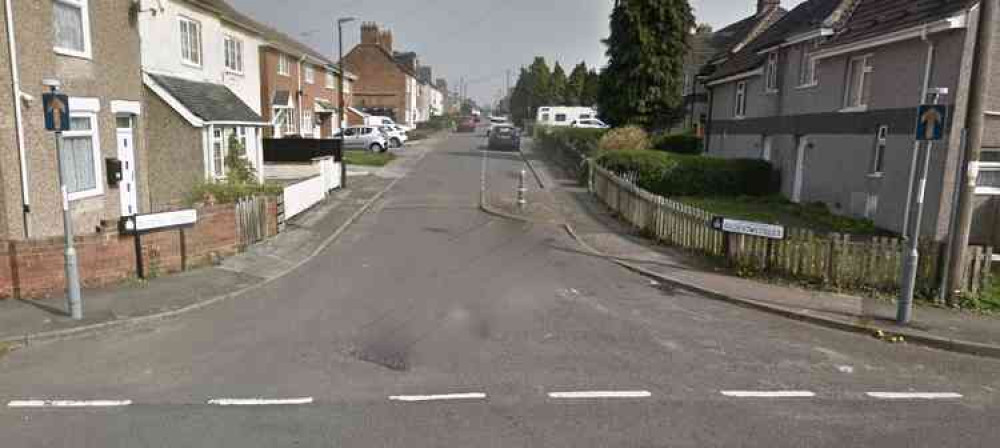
<point>432,324</point>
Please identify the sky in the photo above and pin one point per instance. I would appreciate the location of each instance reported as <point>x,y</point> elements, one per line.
<point>474,40</point>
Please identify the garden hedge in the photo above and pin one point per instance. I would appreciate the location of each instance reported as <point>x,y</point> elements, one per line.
<point>582,140</point>
<point>678,143</point>
<point>668,174</point>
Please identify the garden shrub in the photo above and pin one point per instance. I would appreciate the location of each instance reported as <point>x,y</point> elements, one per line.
<point>670,174</point>
<point>624,139</point>
<point>679,143</point>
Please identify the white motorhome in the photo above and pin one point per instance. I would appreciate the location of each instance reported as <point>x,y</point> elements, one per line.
<point>562,115</point>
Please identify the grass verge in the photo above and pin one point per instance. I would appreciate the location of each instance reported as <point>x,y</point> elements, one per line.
<point>368,158</point>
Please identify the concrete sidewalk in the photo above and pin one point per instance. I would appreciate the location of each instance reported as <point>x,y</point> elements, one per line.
<point>602,234</point>
<point>26,321</point>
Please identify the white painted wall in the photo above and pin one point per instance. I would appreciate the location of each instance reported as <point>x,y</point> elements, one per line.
<point>161,49</point>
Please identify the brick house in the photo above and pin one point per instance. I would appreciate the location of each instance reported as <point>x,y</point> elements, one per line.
<point>201,70</point>
<point>92,48</point>
<point>299,88</point>
<point>829,94</point>
<point>708,49</point>
<point>387,81</point>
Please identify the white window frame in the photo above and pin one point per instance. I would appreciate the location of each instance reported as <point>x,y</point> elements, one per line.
<point>849,89</point>
<point>236,45</point>
<point>308,122</point>
<point>95,138</point>
<point>991,167</point>
<point>284,65</point>
<point>181,21</point>
<point>331,80</point>
<point>309,73</point>
<point>808,64</point>
<point>87,52</point>
<point>740,106</point>
<point>877,167</point>
<point>771,73</point>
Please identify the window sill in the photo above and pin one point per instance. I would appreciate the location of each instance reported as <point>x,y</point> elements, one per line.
<point>875,175</point>
<point>739,117</point>
<point>190,64</point>
<point>80,195</point>
<point>987,191</point>
<point>853,110</point>
<point>73,53</point>
<point>234,72</point>
<point>807,86</point>
<point>771,92</point>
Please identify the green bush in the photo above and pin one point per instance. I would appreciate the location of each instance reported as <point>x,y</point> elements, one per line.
<point>584,141</point>
<point>670,174</point>
<point>624,139</point>
<point>678,143</point>
<point>229,192</point>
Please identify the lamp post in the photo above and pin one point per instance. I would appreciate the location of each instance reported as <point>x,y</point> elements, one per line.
<point>340,91</point>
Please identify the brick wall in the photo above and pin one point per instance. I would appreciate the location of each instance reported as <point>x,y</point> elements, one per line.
<point>35,269</point>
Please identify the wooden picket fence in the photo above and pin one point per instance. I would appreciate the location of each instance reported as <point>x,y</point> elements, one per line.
<point>835,260</point>
<point>251,220</point>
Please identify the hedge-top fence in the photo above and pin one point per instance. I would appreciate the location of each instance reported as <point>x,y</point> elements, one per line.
<point>835,260</point>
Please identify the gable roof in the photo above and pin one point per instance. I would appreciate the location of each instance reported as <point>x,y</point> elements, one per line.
<point>385,53</point>
<point>873,17</point>
<point>227,13</point>
<point>806,17</point>
<point>209,102</point>
<point>727,39</point>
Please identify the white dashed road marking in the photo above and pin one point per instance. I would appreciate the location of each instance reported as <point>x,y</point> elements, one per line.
<point>602,394</point>
<point>68,403</point>
<point>914,395</point>
<point>768,394</point>
<point>260,401</point>
<point>439,397</point>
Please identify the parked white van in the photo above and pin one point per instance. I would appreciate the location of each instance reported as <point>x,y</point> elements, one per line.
<point>377,120</point>
<point>563,115</point>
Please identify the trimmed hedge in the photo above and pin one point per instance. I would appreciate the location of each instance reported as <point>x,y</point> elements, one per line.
<point>679,143</point>
<point>668,174</point>
<point>583,140</point>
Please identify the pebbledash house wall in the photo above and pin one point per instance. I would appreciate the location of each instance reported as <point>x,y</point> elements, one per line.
<point>181,157</point>
<point>34,269</point>
<point>837,166</point>
<point>110,74</point>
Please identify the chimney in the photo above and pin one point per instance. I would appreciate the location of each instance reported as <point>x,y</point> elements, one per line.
<point>766,6</point>
<point>385,39</point>
<point>369,33</point>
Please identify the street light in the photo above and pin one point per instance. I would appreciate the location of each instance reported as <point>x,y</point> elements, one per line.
<point>340,92</point>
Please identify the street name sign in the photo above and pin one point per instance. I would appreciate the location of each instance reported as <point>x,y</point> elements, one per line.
<point>159,221</point>
<point>930,122</point>
<point>55,106</point>
<point>769,231</point>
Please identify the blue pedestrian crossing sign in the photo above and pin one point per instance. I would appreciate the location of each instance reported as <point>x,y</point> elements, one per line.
<point>930,122</point>
<point>56,109</point>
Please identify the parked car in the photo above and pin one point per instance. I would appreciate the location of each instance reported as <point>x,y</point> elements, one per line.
<point>589,123</point>
<point>396,135</point>
<point>505,136</point>
<point>467,124</point>
<point>378,120</point>
<point>364,137</point>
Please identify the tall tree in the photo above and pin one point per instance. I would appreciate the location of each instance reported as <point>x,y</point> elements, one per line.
<point>539,84</point>
<point>646,48</point>
<point>591,89</point>
<point>558,85</point>
<point>575,85</point>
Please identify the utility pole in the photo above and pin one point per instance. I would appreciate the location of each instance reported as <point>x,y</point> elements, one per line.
<point>341,109</point>
<point>975,119</point>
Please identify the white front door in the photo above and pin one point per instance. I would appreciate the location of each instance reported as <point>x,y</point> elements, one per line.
<point>126,154</point>
<point>800,156</point>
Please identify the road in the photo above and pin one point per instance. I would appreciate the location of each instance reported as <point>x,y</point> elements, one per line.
<point>430,323</point>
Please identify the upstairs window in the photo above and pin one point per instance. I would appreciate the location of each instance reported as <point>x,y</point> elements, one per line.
<point>234,54</point>
<point>807,64</point>
<point>772,72</point>
<point>190,41</point>
<point>310,74</point>
<point>878,154</point>
<point>331,80</point>
<point>859,82</point>
<point>740,106</point>
<point>988,182</point>
<point>283,65</point>
<point>71,27</point>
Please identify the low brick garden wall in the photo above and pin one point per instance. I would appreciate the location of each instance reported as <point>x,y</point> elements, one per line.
<point>35,268</point>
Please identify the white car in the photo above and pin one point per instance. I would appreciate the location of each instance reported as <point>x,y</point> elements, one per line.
<point>396,135</point>
<point>589,123</point>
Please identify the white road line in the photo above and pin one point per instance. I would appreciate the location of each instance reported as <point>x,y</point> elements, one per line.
<point>259,401</point>
<point>768,394</point>
<point>914,395</point>
<point>465,396</point>
<point>602,394</point>
<point>68,403</point>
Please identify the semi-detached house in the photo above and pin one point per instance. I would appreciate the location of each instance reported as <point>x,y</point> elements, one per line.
<point>201,70</point>
<point>92,48</point>
<point>829,95</point>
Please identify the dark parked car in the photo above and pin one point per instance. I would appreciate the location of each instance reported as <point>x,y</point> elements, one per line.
<point>505,137</point>
<point>466,125</point>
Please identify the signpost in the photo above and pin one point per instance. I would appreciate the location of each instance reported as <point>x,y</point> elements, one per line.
<point>733,227</point>
<point>931,119</point>
<point>55,106</point>
<point>139,224</point>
